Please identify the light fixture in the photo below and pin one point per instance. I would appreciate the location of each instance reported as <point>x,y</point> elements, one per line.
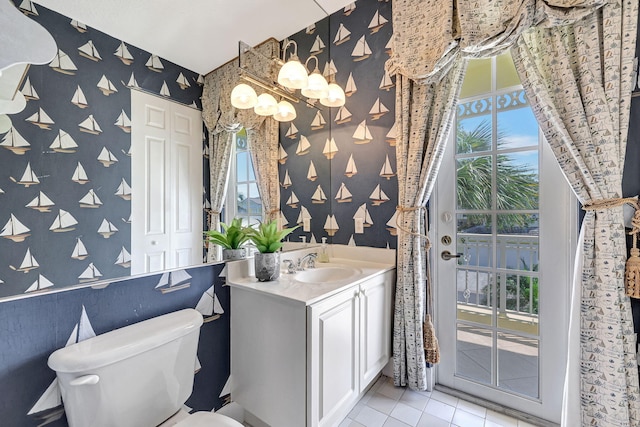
<point>293,74</point>
<point>285,112</point>
<point>335,96</point>
<point>317,87</point>
<point>266,106</point>
<point>243,96</point>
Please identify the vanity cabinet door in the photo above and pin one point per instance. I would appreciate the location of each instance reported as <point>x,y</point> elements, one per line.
<point>375,326</point>
<point>333,357</point>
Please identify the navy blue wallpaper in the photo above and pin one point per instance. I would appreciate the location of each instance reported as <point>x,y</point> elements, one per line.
<point>65,170</point>
<point>352,196</point>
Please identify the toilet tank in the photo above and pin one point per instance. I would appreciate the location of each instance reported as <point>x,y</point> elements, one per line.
<point>136,376</point>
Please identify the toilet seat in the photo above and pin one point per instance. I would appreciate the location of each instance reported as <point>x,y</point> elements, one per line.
<point>208,419</point>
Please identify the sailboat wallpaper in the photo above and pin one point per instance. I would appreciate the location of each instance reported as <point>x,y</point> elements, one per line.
<point>66,162</point>
<point>350,148</point>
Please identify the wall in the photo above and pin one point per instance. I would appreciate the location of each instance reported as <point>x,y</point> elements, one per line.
<point>53,251</point>
<point>367,71</point>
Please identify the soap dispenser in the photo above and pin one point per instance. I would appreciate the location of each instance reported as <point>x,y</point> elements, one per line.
<point>324,253</point>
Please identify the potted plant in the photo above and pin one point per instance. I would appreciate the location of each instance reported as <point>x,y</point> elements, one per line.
<point>232,237</point>
<point>268,240</point>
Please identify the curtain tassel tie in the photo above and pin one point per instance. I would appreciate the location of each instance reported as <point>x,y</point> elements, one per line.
<point>632,268</point>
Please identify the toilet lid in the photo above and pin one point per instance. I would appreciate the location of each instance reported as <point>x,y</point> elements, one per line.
<point>208,419</point>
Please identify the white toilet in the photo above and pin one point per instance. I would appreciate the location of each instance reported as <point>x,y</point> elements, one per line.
<point>136,376</point>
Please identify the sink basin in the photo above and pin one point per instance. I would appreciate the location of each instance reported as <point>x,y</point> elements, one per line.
<point>326,274</point>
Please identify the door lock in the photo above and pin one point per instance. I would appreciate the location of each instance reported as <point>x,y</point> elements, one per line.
<point>446,255</point>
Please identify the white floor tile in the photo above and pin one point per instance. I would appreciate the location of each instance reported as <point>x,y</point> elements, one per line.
<point>348,422</point>
<point>440,410</point>
<point>466,419</point>
<point>472,408</point>
<point>382,403</point>
<point>414,399</point>
<point>444,398</point>
<point>501,419</point>
<point>356,410</point>
<point>525,424</point>
<point>392,422</point>
<point>406,414</point>
<point>428,420</point>
<point>389,390</point>
<point>371,418</point>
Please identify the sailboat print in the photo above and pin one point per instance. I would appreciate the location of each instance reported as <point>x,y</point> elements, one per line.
<point>127,221</point>
<point>386,83</point>
<point>132,81</point>
<point>14,230</point>
<point>310,29</point>
<point>343,115</point>
<point>28,263</point>
<point>41,203</point>
<point>342,35</point>
<point>28,177</point>
<point>182,82</point>
<point>330,148</point>
<point>173,281</point>
<point>63,143</point>
<point>378,110</point>
<point>154,64</point>
<point>282,154</point>
<point>226,392</point>
<point>79,251</point>
<point>386,171</point>
<point>209,305</point>
<point>317,47</point>
<point>362,135</point>
<point>123,190</point>
<point>304,215</point>
<point>106,157</point>
<point>123,54</point>
<point>200,80</point>
<point>107,229</point>
<point>329,70</point>
<point>389,46</point>
<point>392,135</point>
<point>293,200</point>
<point>63,64</point>
<point>49,407</point>
<point>349,8</point>
<point>351,169</point>
<point>90,200</point>
<point>312,175</point>
<point>286,183</point>
<point>123,122</point>
<point>82,28</point>
<point>40,119</point>
<point>28,91</point>
<point>89,125</point>
<point>318,121</point>
<point>318,196</point>
<point>362,214</point>
<point>361,51</point>
<point>331,225</point>
<point>292,132</point>
<point>63,222</point>
<point>89,51</point>
<point>78,99</point>
<point>14,142</point>
<point>392,224</point>
<point>378,196</point>
<point>40,283</point>
<point>164,90</point>
<point>303,146</point>
<point>106,86</point>
<point>90,274</point>
<point>28,8</point>
<point>283,221</point>
<point>352,241</point>
<point>377,22</point>
<point>350,88</point>
<point>79,175</point>
<point>344,195</point>
<point>124,258</point>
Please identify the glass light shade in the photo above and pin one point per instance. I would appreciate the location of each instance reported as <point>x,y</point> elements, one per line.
<point>293,75</point>
<point>317,88</point>
<point>243,96</point>
<point>335,98</point>
<point>266,106</point>
<point>5,123</point>
<point>285,112</point>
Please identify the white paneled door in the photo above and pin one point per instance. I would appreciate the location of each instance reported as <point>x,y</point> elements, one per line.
<point>166,201</point>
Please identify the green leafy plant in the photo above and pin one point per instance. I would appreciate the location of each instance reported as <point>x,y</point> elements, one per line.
<point>267,238</point>
<point>233,236</point>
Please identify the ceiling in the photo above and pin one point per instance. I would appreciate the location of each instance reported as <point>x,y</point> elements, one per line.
<point>200,37</point>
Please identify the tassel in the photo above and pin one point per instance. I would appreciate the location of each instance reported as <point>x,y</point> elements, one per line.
<point>632,268</point>
<point>431,347</point>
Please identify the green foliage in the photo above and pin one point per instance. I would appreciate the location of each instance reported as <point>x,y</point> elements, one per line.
<point>267,238</point>
<point>233,236</point>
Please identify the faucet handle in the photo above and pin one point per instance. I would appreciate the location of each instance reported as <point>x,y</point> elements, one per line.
<point>291,266</point>
<point>311,263</point>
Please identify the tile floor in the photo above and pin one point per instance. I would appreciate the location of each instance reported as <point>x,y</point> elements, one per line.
<point>385,405</point>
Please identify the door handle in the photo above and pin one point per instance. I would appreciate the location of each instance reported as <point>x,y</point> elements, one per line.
<point>446,255</point>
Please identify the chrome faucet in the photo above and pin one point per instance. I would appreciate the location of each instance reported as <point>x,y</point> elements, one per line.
<point>311,261</point>
<point>291,266</point>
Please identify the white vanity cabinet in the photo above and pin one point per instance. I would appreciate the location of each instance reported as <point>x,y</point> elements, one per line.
<point>306,363</point>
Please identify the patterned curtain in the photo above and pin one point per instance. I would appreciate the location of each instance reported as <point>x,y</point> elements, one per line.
<point>582,105</point>
<point>222,119</point>
<point>264,153</point>
<point>431,38</point>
